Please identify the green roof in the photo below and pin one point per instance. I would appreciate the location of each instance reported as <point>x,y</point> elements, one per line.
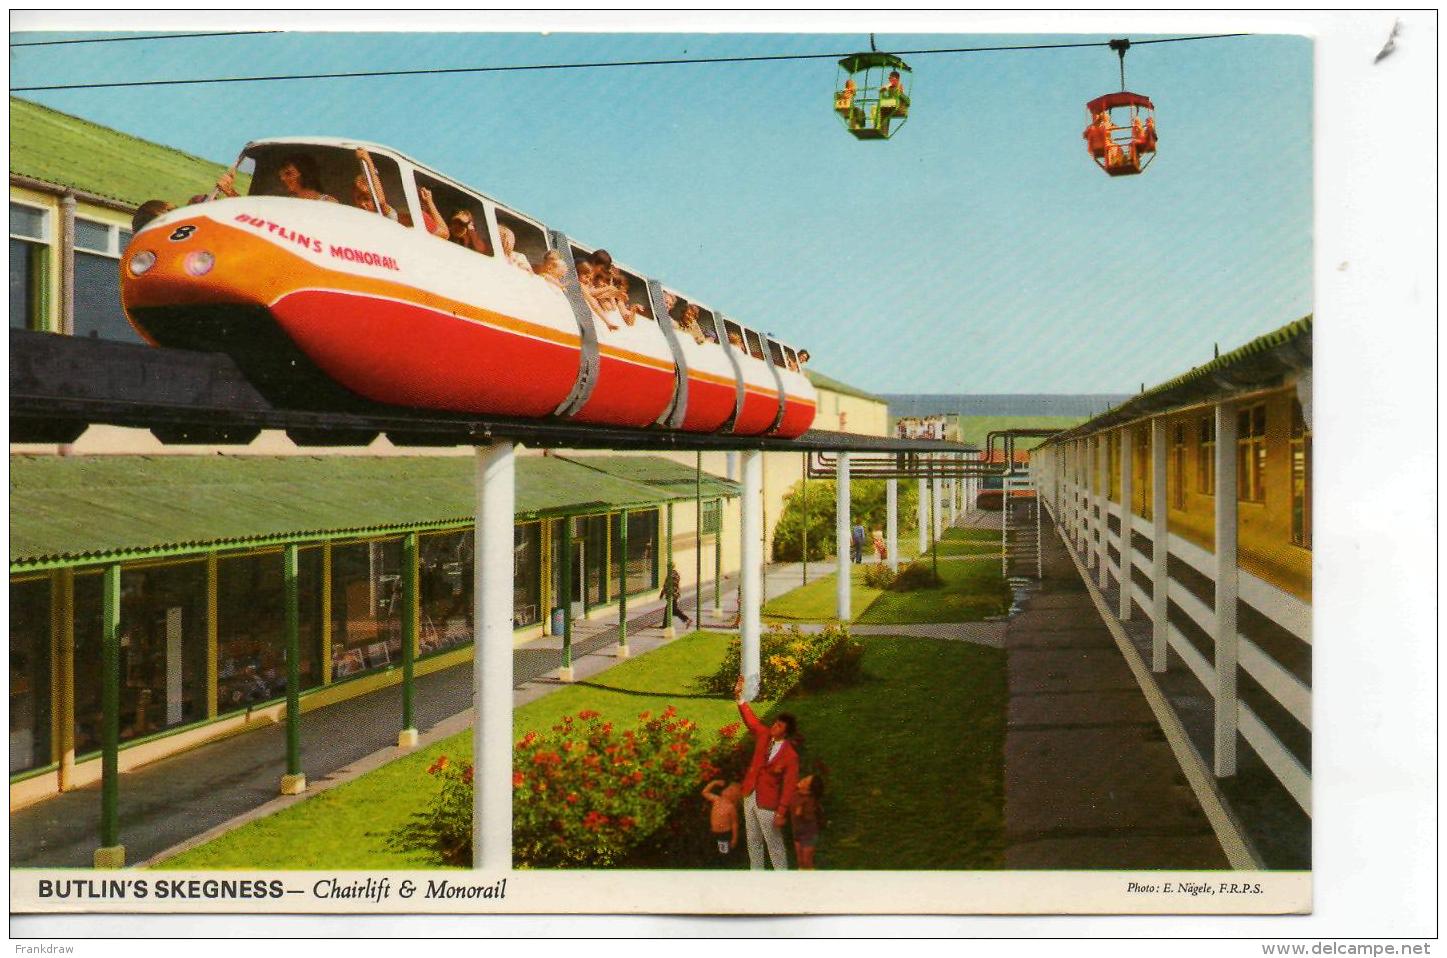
<point>868,61</point>
<point>65,150</point>
<point>822,381</point>
<point>70,509</point>
<point>1261,362</point>
<point>671,479</point>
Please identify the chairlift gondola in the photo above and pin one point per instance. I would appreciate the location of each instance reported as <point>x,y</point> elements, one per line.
<point>871,95</point>
<point>1121,134</point>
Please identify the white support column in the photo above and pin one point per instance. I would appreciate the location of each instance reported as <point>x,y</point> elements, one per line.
<point>891,521</point>
<point>1102,503</point>
<point>938,492</point>
<point>843,527</point>
<point>731,466</point>
<point>1227,585</point>
<point>1160,545</point>
<point>751,568</point>
<point>1087,502</point>
<point>922,507</point>
<point>1127,490</point>
<point>492,660</point>
<point>954,499</point>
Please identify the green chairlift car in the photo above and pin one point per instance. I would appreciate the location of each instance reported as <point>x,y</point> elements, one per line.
<point>872,94</point>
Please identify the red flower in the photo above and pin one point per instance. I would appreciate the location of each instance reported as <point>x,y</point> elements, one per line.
<point>517,779</point>
<point>467,775</point>
<point>645,715</point>
<point>626,822</point>
<point>594,820</point>
<point>729,730</point>
<point>438,765</point>
<point>670,712</point>
<point>572,798</point>
<point>587,714</point>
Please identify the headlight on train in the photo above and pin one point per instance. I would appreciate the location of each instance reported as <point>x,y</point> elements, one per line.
<point>199,263</point>
<point>142,262</point>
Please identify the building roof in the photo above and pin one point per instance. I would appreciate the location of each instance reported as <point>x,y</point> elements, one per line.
<point>65,510</point>
<point>1262,363</point>
<point>65,150</point>
<point>822,381</point>
<point>671,479</point>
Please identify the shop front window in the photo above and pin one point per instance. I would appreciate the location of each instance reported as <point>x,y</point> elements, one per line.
<point>30,702</point>
<point>366,606</point>
<point>444,583</point>
<point>251,627</point>
<point>527,574</point>
<point>162,651</point>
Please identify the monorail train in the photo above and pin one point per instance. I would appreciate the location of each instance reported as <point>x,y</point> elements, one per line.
<point>366,292</point>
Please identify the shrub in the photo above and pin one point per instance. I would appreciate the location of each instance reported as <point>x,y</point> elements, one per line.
<point>444,826</point>
<point>584,794</point>
<point>878,575</point>
<point>786,657</point>
<point>868,507</point>
<point>916,575</point>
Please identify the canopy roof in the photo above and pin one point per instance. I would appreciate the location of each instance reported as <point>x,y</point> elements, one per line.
<point>856,62</point>
<point>1123,98</point>
<point>75,509</point>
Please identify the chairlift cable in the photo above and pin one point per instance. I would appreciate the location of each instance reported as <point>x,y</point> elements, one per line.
<point>159,36</point>
<point>681,61</point>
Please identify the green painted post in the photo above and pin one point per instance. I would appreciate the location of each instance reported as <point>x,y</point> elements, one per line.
<point>567,603</point>
<point>718,558</point>
<point>293,662</point>
<point>804,470</point>
<point>668,564</point>
<point>110,793</point>
<point>410,572</point>
<point>698,538</point>
<point>623,583</point>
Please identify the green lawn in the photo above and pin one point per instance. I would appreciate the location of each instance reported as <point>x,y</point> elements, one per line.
<point>972,591</point>
<point>815,602</point>
<point>346,827</point>
<point>969,542</point>
<point>915,755</point>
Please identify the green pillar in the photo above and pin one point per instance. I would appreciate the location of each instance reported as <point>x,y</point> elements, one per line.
<point>293,782</point>
<point>698,539</point>
<point>111,854</point>
<point>623,584</point>
<point>668,564</point>
<point>565,583</point>
<point>804,494</point>
<point>718,559</point>
<point>408,736</point>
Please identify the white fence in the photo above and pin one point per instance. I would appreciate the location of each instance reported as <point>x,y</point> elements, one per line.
<point>1176,605</point>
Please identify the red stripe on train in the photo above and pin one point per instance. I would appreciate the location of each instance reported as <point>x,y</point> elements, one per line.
<point>402,353</point>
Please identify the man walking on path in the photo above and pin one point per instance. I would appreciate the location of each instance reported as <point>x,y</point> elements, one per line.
<point>856,545</point>
<point>672,588</point>
<point>769,785</point>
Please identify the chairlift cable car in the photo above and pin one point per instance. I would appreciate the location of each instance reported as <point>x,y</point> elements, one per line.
<point>871,95</point>
<point>1121,134</point>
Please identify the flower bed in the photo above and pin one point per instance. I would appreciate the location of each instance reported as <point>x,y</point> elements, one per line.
<point>789,657</point>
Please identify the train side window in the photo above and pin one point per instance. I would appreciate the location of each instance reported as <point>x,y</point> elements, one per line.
<point>390,175</point>
<point>302,171</point>
<point>736,335</point>
<point>709,323</point>
<point>637,294</point>
<point>756,348</point>
<point>529,239</point>
<point>777,353</point>
<point>790,359</point>
<point>462,213</point>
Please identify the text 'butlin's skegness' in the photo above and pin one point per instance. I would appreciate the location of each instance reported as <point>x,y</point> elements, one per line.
<point>138,889</point>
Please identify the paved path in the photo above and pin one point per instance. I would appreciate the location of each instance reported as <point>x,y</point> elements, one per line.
<point>1090,781</point>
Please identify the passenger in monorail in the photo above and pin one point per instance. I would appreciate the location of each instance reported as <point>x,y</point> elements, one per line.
<point>362,196</point>
<point>509,249</point>
<point>432,218</point>
<point>298,176</point>
<point>148,211</point>
<point>690,325</point>
<point>552,268</point>
<point>588,280</point>
<point>463,231</point>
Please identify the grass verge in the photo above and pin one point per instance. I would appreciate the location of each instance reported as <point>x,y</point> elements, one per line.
<point>815,602</point>
<point>972,591</point>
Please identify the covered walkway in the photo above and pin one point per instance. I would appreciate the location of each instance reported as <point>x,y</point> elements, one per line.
<point>1090,780</point>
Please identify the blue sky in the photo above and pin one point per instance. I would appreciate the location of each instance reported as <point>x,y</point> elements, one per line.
<point>977,251</point>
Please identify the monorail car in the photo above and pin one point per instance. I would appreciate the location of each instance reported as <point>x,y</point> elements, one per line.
<point>366,292</point>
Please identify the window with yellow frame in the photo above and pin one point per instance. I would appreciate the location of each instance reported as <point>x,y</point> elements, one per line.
<point>1300,478</point>
<point>1206,456</point>
<point>1177,477</point>
<point>1141,480</point>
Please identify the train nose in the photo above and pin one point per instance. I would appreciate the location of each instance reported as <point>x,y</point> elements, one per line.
<point>189,262</point>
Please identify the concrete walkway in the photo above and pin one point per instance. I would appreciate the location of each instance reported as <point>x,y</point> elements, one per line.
<point>1090,781</point>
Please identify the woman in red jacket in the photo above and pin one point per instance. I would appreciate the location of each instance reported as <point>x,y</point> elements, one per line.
<point>770,784</point>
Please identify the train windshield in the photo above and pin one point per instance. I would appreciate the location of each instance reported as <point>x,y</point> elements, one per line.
<point>756,350</point>
<point>350,176</point>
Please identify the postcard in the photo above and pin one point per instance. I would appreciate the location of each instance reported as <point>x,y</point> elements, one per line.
<point>508,467</point>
